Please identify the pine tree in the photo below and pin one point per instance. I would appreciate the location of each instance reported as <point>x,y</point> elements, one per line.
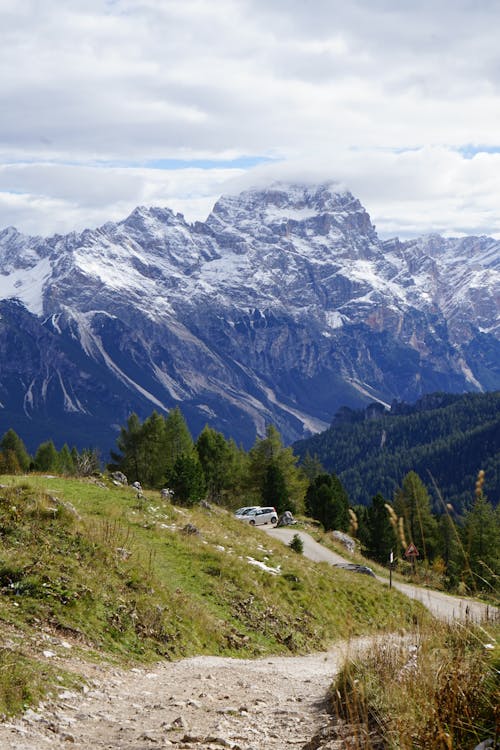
<point>46,457</point>
<point>327,502</point>
<point>9,463</point>
<point>131,459</point>
<point>312,466</point>
<point>12,442</point>
<point>66,462</point>
<point>153,451</point>
<point>274,490</point>
<point>186,480</point>
<point>178,440</point>
<point>412,503</point>
<point>481,534</point>
<point>216,458</point>
<point>270,451</point>
<point>382,538</point>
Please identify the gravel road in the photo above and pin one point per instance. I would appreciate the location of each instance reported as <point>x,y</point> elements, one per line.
<point>203,703</point>
<point>441,605</point>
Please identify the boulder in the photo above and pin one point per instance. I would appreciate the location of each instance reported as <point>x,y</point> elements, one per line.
<point>119,477</point>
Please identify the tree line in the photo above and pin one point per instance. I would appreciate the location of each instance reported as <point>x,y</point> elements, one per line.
<point>460,548</point>
<point>445,438</point>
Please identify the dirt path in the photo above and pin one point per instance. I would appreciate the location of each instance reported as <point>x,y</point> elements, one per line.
<point>203,703</point>
<point>444,606</point>
<point>200,703</point>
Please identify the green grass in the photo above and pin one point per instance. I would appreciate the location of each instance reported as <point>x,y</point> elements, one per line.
<point>442,693</point>
<point>119,576</point>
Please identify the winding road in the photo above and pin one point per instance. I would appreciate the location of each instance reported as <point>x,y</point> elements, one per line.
<point>443,606</point>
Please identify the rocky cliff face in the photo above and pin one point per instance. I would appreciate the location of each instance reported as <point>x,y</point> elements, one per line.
<point>283,306</point>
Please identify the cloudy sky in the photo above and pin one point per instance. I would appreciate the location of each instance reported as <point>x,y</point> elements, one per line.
<point>107,104</point>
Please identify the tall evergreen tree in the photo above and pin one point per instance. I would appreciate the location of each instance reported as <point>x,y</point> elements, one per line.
<point>132,458</point>
<point>153,450</point>
<point>270,451</point>
<point>9,463</point>
<point>312,466</point>
<point>12,442</point>
<point>66,462</point>
<point>46,457</point>
<point>186,480</point>
<point>382,538</point>
<point>412,502</point>
<point>327,502</point>
<point>274,490</point>
<point>216,458</point>
<point>450,549</point>
<point>481,534</point>
<point>178,439</point>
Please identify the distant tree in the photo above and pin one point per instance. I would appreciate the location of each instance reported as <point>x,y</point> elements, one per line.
<point>268,452</point>
<point>131,458</point>
<point>312,466</point>
<point>186,479</point>
<point>178,440</point>
<point>327,502</point>
<point>9,462</point>
<point>153,450</point>
<point>66,462</point>
<point>381,539</point>
<point>412,503</point>
<point>46,457</point>
<point>274,490</point>
<point>481,535</point>
<point>12,442</point>
<point>450,549</point>
<point>216,458</point>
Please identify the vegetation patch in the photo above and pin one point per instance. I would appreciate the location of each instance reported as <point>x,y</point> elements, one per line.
<point>436,691</point>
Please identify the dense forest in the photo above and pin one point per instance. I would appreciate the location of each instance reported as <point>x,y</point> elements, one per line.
<point>445,438</point>
<point>458,546</point>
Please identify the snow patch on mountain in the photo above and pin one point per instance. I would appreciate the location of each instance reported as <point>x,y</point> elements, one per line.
<point>27,285</point>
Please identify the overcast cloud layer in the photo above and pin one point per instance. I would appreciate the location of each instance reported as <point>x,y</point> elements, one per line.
<point>107,104</point>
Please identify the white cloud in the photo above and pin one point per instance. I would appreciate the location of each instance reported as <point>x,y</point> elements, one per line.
<point>379,92</point>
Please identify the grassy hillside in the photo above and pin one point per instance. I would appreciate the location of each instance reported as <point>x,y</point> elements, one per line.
<point>451,437</point>
<point>87,565</point>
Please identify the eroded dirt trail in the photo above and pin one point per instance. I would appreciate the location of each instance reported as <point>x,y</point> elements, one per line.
<point>203,702</point>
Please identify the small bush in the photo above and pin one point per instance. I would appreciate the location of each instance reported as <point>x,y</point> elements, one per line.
<point>297,544</point>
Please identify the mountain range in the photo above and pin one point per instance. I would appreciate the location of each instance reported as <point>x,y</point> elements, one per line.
<point>281,307</point>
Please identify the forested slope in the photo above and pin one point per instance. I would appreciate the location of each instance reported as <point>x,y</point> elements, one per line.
<point>445,438</point>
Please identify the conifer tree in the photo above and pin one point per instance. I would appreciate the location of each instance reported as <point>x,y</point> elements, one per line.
<point>131,459</point>
<point>178,440</point>
<point>412,503</point>
<point>327,502</point>
<point>46,457</point>
<point>153,450</point>
<point>382,538</point>
<point>270,451</point>
<point>12,442</point>
<point>9,463</point>
<point>66,462</point>
<point>216,459</point>
<point>186,480</point>
<point>481,534</point>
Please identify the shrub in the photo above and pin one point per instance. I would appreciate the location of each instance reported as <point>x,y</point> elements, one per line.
<point>297,544</point>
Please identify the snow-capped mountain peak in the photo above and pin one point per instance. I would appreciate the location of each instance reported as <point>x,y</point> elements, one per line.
<point>282,306</point>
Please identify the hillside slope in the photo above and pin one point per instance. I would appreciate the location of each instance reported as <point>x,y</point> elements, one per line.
<point>445,438</point>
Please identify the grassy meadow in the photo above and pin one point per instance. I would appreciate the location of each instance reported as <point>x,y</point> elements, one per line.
<point>92,567</point>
